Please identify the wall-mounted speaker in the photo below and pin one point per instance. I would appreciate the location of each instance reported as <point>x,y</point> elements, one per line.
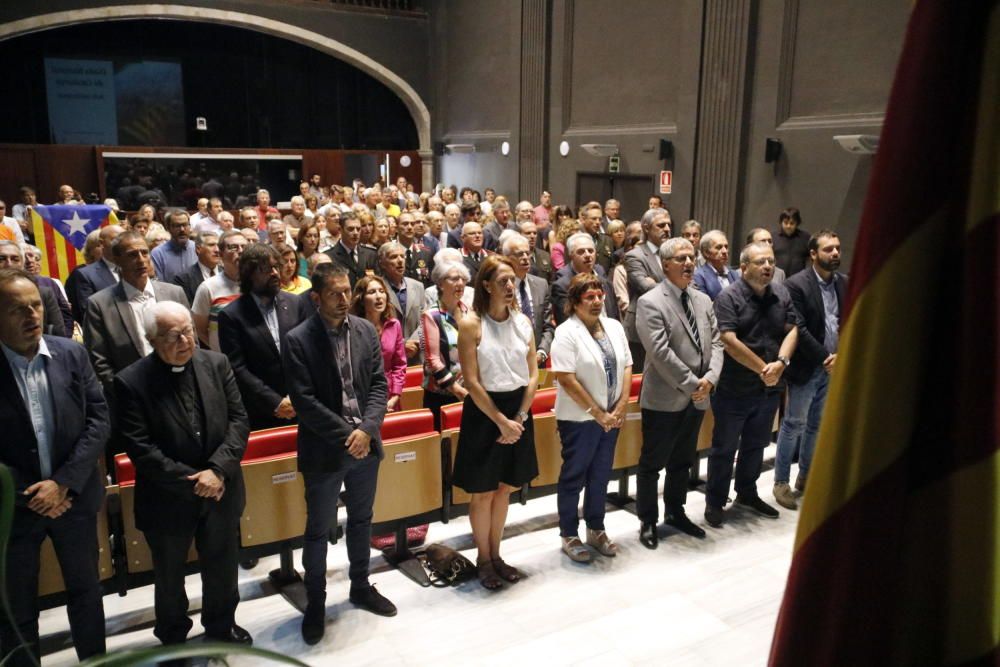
<point>772,150</point>
<point>666,149</point>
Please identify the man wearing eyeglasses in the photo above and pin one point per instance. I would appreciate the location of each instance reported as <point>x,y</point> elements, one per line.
<point>185,430</point>
<point>176,256</point>
<point>759,329</point>
<point>676,325</point>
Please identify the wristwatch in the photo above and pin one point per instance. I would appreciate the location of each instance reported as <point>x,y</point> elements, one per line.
<point>784,360</point>
<point>523,416</point>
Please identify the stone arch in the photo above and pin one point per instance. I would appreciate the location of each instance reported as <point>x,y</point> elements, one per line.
<point>416,106</point>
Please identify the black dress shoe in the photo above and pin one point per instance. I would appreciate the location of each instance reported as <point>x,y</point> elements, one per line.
<point>370,599</point>
<point>647,535</point>
<point>714,516</point>
<point>681,522</point>
<point>314,623</point>
<point>236,635</point>
<point>757,505</point>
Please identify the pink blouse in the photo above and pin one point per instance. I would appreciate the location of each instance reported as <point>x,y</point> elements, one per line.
<point>394,356</point>
<point>558,255</point>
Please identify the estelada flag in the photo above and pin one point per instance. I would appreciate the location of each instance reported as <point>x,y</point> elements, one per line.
<point>61,232</point>
<point>896,556</point>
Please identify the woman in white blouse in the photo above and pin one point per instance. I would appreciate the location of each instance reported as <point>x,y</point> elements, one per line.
<point>593,368</point>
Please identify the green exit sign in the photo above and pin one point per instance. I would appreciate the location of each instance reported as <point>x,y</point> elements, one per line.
<point>614,164</point>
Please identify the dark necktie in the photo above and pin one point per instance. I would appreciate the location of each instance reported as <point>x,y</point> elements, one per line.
<point>409,258</point>
<point>525,301</point>
<point>354,256</point>
<point>685,301</point>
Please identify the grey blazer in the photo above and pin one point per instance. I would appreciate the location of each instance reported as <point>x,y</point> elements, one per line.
<point>414,306</point>
<point>541,312</point>
<point>674,364</point>
<point>644,271</point>
<point>110,333</point>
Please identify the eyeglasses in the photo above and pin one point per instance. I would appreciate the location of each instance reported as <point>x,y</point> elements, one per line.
<point>683,259</point>
<point>171,337</point>
<point>762,261</point>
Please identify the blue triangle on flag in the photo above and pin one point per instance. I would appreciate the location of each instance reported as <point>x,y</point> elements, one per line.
<point>74,222</point>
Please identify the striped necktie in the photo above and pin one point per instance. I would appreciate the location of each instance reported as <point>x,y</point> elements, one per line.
<point>685,299</point>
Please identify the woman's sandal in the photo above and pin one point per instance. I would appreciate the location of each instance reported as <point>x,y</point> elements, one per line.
<point>488,576</point>
<point>506,572</point>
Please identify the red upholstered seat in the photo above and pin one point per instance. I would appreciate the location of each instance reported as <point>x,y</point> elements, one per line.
<point>545,401</point>
<point>414,376</point>
<point>407,424</point>
<point>270,443</point>
<point>636,384</point>
<point>124,470</point>
<point>451,417</point>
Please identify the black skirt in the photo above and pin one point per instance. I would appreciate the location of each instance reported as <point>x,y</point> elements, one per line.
<point>482,463</point>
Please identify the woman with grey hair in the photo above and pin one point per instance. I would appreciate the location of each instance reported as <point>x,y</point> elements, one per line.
<point>439,338</point>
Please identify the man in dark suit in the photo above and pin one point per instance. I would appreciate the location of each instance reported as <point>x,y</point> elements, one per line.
<point>251,332</point>
<point>112,330</point>
<point>532,295</point>
<point>419,262</point>
<point>349,253</point>
<point>473,252</point>
<point>55,424</point>
<point>677,327</point>
<point>333,366</point>
<point>541,261</point>
<point>590,222</point>
<point>582,255</point>
<point>185,430</point>
<point>206,247</point>
<point>94,277</point>
<point>644,271</point>
<point>817,293</point>
<point>715,275</point>
<point>405,294</point>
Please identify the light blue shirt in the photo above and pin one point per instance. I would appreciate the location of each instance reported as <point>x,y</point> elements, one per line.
<point>33,383</point>
<point>831,309</point>
<point>270,319</point>
<point>171,260</point>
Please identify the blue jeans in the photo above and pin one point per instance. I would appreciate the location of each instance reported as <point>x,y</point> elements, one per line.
<point>322,489</point>
<point>742,423</point>
<point>801,424</point>
<point>587,453</point>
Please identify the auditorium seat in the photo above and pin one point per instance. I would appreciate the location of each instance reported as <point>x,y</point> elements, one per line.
<point>50,581</point>
<point>630,437</point>
<point>451,422</point>
<point>413,393</point>
<point>548,448</point>
<point>409,478</point>
<point>137,556</point>
<point>276,506</point>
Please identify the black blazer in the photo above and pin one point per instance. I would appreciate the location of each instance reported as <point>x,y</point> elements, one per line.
<point>89,280</point>
<point>246,340</point>
<point>190,280</point>
<point>560,288</point>
<point>81,429</point>
<point>316,391</point>
<point>367,261</point>
<point>808,302</point>
<point>159,439</point>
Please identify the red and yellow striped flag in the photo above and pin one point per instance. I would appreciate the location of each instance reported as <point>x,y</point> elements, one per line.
<point>61,232</point>
<point>896,557</point>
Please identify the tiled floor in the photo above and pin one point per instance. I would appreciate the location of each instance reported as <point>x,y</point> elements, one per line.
<point>689,603</point>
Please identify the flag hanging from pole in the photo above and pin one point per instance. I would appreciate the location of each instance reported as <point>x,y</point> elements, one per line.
<point>61,232</point>
<point>896,556</point>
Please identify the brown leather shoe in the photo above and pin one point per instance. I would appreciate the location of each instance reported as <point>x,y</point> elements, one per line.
<point>784,495</point>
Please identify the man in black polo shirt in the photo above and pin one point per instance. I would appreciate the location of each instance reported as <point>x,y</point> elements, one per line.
<point>759,333</point>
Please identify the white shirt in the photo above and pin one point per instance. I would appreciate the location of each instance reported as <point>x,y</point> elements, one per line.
<point>206,272</point>
<point>503,352</point>
<point>138,302</point>
<point>113,268</point>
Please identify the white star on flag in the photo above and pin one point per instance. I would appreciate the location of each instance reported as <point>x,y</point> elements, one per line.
<point>77,224</point>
